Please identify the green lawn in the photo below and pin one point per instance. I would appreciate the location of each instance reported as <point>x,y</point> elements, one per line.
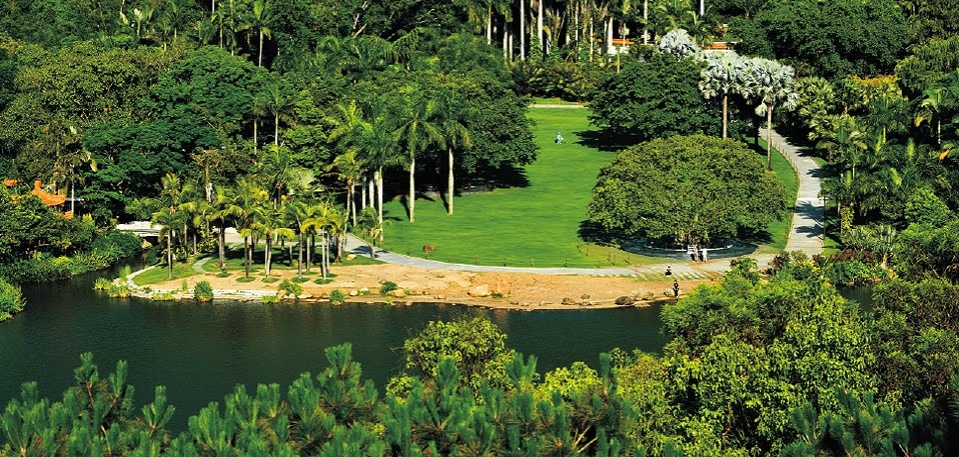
<point>528,226</point>
<point>779,230</point>
<point>536,225</point>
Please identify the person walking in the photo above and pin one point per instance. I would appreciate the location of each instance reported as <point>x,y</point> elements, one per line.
<point>559,137</point>
<point>675,288</point>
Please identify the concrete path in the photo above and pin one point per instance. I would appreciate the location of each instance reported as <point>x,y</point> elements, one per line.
<point>806,234</point>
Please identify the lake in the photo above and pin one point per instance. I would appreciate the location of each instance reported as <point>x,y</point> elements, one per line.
<point>200,352</point>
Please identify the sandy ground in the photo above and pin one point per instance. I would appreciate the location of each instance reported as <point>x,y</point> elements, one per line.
<point>494,290</point>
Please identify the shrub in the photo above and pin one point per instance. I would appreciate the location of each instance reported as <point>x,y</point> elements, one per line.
<point>387,287</point>
<point>337,297</point>
<point>163,296</point>
<point>11,300</point>
<point>849,273</point>
<point>270,299</point>
<point>102,284</point>
<point>119,290</point>
<point>290,288</point>
<point>203,291</point>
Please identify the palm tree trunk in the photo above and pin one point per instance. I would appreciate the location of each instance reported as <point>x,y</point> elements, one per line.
<point>73,199</point>
<point>522,30</point>
<point>267,254</point>
<point>489,25</point>
<point>449,185</point>
<point>609,36</point>
<point>725,115</point>
<point>169,254</point>
<point>276,129</point>
<point>379,191</point>
<point>299,257</point>
<point>645,21</point>
<point>247,256</point>
<point>325,254</point>
<point>351,203</point>
<point>256,124</point>
<point>769,138</point>
<point>539,27</point>
<point>412,202</point>
<point>259,60</point>
<point>221,240</point>
<point>309,252</point>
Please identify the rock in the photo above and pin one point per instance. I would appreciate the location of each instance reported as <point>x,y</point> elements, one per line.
<point>584,296</point>
<point>568,301</point>
<point>440,297</point>
<point>398,293</point>
<point>501,288</point>
<point>364,290</point>
<point>625,300</point>
<point>480,290</point>
<point>351,257</point>
<point>354,293</point>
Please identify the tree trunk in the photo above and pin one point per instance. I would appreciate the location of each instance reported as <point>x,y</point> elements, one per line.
<point>221,241</point>
<point>489,25</point>
<point>309,252</point>
<point>769,138</point>
<point>539,27</point>
<point>259,59</point>
<point>412,202</point>
<point>325,254</point>
<point>169,254</point>
<point>449,184</point>
<point>645,21</point>
<point>522,30</point>
<point>73,198</point>
<point>609,37</point>
<point>276,129</point>
<point>247,256</point>
<point>256,125</point>
<point>267,254</point>
<point>299,258</point>
<point>725,115</point>
<point>379,191</point>
<point>351,204</point>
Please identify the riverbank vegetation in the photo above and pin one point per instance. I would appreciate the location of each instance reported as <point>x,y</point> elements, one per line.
<point>11,300</point>
<point>37,243</point>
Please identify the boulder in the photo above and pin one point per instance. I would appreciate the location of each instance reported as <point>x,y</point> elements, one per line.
<point>568,301</point>
<point>398,293</point>
<point>625,300</point>
<point>479,290</point>
<point>501,288</point>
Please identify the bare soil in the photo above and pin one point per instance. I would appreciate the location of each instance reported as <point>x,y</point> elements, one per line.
<point>495,290</point>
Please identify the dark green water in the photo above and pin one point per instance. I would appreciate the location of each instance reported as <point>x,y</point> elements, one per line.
<point>201,351</point>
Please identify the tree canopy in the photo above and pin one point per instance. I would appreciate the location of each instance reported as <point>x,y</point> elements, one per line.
<point>686,189</point>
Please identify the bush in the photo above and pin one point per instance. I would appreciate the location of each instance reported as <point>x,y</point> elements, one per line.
<point>849,273</point>
<point>102,284</point>
<point>270,299</point>
<point>11,300</point>
<point>337,297</point>
<point>387,287</point>
<point>203,291</point>
<point>290,288</point>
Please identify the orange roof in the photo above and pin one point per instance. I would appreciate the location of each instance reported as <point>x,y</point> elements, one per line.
<point>46,197</point>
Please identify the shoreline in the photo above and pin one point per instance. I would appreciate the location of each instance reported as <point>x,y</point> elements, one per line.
<point>491,290</point>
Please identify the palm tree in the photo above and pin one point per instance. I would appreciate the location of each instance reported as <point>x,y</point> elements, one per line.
<point>258,19</point>
<point>722,75</point>
<point>887,113</point>
<point>773,85</point>
<point>370,228</point>
<point>349,168</point>
<point>242,203</point>
<point>269,222</point>
<point>453,113</point>
<point>417,132</point>
<point>277,99</point>
<point>936,99</point>
<point>844,136</point>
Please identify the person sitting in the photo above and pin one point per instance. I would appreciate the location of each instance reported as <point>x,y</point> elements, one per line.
<point>669,271</point>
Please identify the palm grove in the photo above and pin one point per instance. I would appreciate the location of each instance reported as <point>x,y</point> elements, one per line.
<point>254,114</point>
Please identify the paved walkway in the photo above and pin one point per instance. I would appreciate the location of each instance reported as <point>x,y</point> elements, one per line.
<point>806,234</point>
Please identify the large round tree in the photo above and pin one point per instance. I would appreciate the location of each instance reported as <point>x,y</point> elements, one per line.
<point>686,189</point>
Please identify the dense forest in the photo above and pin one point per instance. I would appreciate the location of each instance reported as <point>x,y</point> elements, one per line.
<point>199,115</point>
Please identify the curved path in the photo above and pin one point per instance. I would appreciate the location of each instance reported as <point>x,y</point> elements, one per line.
<point>806,234</point>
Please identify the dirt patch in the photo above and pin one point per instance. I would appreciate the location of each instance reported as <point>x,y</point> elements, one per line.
<point>495,290</point>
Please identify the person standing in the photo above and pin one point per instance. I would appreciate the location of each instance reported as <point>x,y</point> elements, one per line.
<point>675,288</point>
<point>704,256</point>
<point>691,250</point>
<point>559,137</point>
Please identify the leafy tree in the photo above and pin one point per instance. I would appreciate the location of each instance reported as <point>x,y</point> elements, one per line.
<point>836,38</point>
<point>927,64</point>
<point>653,99</point>
<point>686,189</point>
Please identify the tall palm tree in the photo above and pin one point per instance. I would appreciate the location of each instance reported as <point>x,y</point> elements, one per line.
<point>844,136</point>
<point>276,99</point>
<point>935,100</point>
<point>242,203</point>
<point>773,86</point>
<point>723,75</point>
<point>269,222</point>
<point>417,131</point>
<point>258,19</point>
<point>349,168</point>
<point>453,113</point>
<point>887,113</point>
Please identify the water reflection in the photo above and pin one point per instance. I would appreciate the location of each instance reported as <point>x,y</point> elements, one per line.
<point>202,351</point>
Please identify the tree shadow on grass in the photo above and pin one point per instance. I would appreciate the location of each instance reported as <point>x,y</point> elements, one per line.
<point>606,141</point>
<point>593,232</point>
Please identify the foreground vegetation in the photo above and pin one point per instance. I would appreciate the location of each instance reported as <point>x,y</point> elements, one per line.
<point>778,365</point>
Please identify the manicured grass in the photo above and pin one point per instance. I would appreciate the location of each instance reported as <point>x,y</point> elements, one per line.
<point>553,101</point>
<point>159,274</point>
<point>535,225</point>
<point>526,226</point>
<point>779,230</point>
